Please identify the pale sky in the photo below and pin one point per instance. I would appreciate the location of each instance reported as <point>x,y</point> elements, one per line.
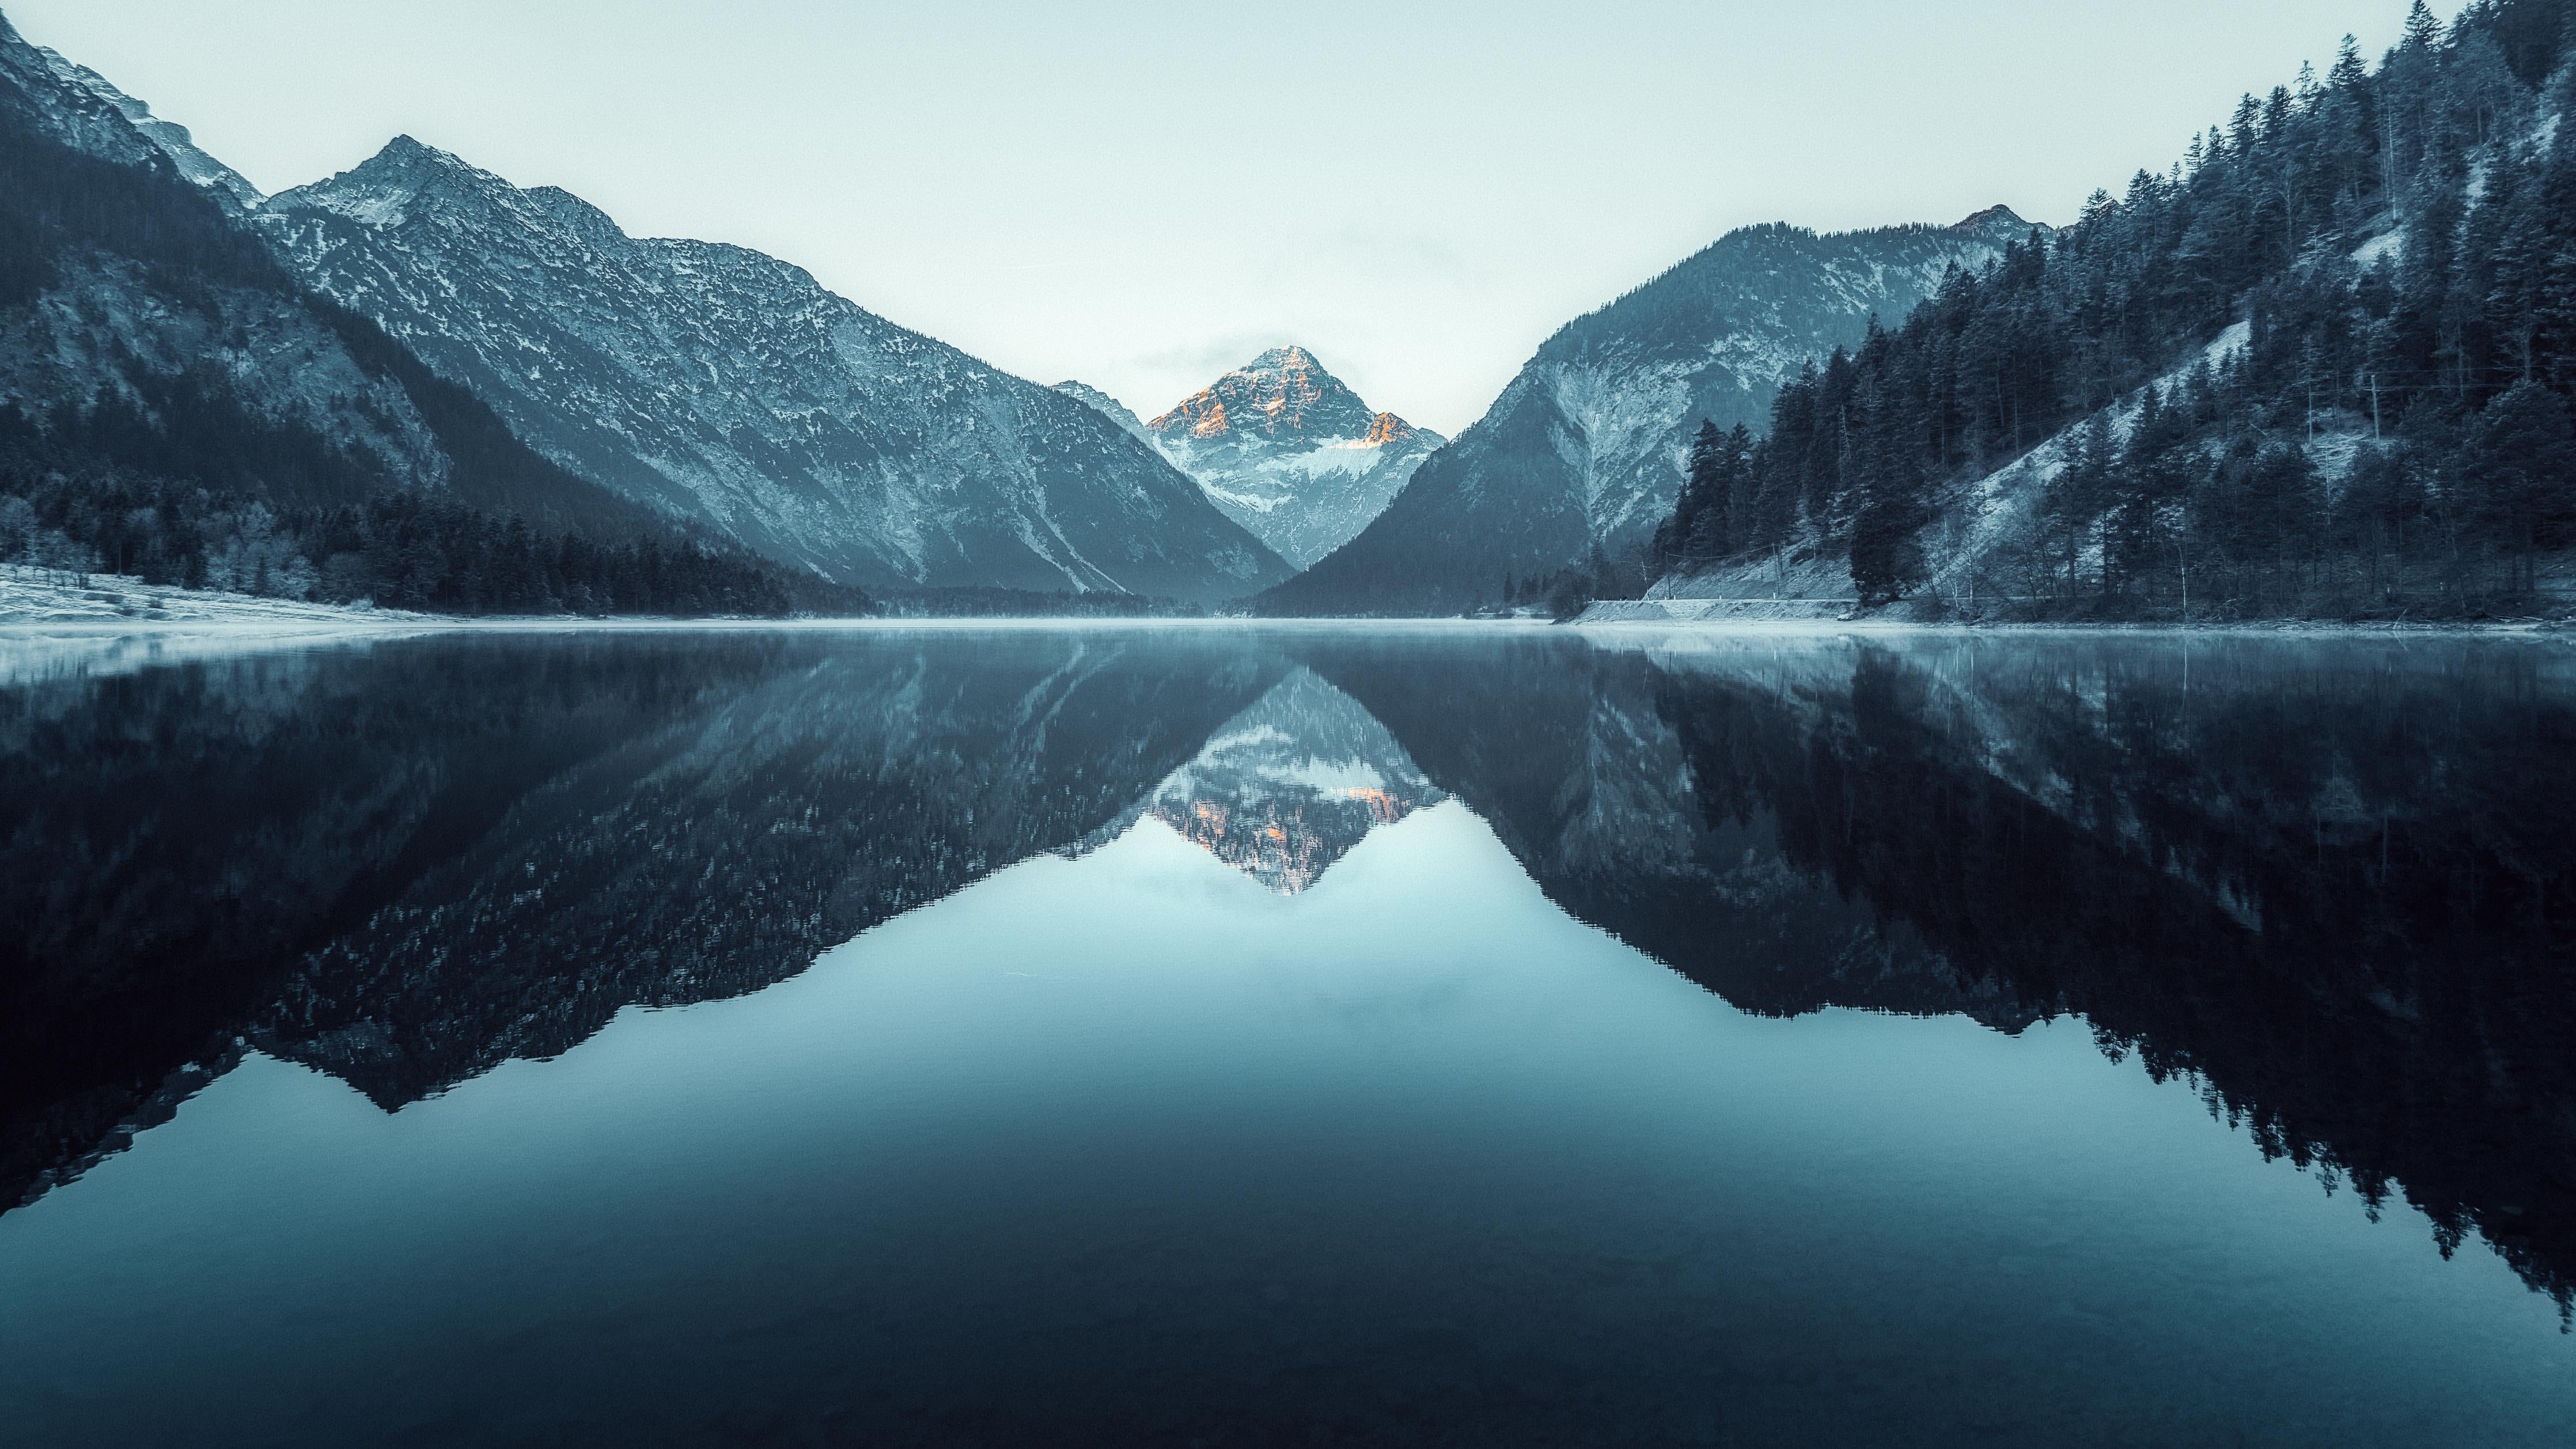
<point>1144,195</point>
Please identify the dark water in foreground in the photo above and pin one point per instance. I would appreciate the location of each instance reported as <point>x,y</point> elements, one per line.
<point>1230,1037</point>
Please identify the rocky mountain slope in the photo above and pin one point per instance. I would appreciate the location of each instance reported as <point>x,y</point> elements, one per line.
<point>228,187</point>
<point>1118,412</point>
<point>1290,452</point>
<point>145,335</point>
<point>717,384</point>
<point>1585,448</point>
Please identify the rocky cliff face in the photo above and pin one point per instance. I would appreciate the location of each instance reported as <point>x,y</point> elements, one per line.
<point>718,384</point>
<point>229,188</point>
<point>1585,448</point>
<point>1290,452</point>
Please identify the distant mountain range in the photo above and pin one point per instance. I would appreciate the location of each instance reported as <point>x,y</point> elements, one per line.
<point>728,393</point>
<point>711,386</point>
<point>719,384</point>
<point>1584,450</point>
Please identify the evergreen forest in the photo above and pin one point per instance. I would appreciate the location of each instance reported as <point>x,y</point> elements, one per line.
<point>2323,365</point>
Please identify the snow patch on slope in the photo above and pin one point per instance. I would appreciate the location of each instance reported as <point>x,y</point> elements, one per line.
<point>227,185</point>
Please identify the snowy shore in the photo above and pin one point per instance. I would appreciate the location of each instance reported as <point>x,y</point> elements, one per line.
<point>30,596</point>
<point>1718,616</point>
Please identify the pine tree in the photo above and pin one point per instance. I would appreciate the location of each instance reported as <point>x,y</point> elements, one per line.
<point>2519,462</point>
<point>2423,32</point>
<point>1706,495</point>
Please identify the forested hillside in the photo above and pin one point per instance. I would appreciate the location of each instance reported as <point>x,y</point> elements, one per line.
<point>2323,364</point>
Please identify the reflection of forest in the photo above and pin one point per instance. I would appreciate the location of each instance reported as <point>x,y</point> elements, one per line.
<point>2329,884</point>
<point>405,866</point>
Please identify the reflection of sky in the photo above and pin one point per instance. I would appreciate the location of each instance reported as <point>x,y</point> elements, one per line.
<point>1144,195</point>
<point>1128,1129</point>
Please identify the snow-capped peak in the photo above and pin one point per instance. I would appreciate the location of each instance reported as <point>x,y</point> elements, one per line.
<point>1290,452</point>
<point>1284,392</point>
<point>1387,430</point>
<point>731,389</point>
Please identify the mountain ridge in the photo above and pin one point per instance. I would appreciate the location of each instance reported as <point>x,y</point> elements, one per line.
<point>716,383</point>
<point>1582,453</point>
<point>174,405</point>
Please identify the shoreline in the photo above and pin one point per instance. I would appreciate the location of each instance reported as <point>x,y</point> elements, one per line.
<point>2268,628</point>
<point>388,624</point>
<point>362,627</point>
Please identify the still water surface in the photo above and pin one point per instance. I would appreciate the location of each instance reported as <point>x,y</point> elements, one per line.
<point>1298,1036</point>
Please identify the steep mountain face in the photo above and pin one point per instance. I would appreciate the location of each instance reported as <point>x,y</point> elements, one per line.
<point>37,93</point>
<point>1290,452</point>
<point>228,187</point>
<point>1585,448</point>
<point>145,335</point>
<point>721,385</point>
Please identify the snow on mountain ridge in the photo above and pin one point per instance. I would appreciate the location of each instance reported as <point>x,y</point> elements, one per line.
<point>1291,452</point>
<point>66,109</point>
<point>225,184</point>
<point>722,384</point>
<point>1285,387</point>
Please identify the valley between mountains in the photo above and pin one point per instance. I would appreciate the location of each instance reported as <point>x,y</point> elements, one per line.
<point>2321,365</point>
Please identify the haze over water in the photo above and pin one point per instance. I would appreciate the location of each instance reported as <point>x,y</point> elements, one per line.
<point>1212,1035</point>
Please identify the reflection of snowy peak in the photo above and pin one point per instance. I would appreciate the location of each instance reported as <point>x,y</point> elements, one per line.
<point>1290,785</point>
<point>726,387</point>
<point>1290,452</point>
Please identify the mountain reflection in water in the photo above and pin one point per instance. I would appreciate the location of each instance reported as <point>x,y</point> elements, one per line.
<point>1290,785</point>
<point>2325,888</point>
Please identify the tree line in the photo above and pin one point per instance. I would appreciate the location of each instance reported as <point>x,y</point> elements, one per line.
<point>2369,281</point>
<point>394,549</point>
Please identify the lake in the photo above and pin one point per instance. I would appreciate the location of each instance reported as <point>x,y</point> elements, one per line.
<point>1211,1035</point>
